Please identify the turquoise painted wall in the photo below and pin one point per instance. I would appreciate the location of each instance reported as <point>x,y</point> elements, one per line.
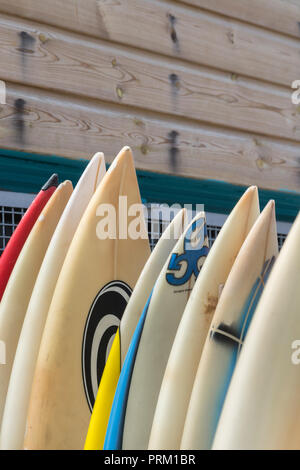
<point>25,172</point>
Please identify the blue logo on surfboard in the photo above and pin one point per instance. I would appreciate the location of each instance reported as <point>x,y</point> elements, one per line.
<point>194,249</point>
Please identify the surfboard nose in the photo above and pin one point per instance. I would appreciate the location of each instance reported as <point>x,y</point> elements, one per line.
<point>250,194</point>
<point>52,181</point>
<point>250,201</point>
<point>123,158</point>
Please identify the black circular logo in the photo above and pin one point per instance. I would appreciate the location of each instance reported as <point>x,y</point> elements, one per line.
<point>101,326</point>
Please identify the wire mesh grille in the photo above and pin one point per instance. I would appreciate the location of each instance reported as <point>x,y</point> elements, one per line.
<point>11,216</point>
<point>156,228</point>
<point>281,237</point>
<point>9,219</point>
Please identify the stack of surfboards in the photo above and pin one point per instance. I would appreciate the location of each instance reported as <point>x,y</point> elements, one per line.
<point>66,294</point>
<point>109,346</point>
<point>21,377</point>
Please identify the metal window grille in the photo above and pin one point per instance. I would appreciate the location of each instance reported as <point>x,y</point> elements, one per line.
<point>213,232</point>
<point>9,219</point>
<point>14,205</point>
<point>158,221</point>
<point>281,237</point>
<point>12,208</point>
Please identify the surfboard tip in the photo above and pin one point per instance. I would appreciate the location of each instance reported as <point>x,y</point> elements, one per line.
<point>98,156</point>
<point>252,189</point>
<point>270,206</point>
<point>251,194</point>
<point>52,181</point>
<point>125,153</point>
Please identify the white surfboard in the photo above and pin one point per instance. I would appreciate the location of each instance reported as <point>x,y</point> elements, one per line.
<point>19,288</point>
<point>262,407</point>
<point>93,288</point>
<point>16,406</point>
<point>186,351</point>
<point>135,306</point>
<point>228,330</point>
<point>148,277</point>
<point>170,295</point>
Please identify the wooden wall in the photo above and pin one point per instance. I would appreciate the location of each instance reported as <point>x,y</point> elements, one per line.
<point>198,88</point>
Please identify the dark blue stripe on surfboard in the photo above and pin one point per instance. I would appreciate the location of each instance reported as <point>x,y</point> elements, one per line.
<point>246,316</point>
<point>115,427</point>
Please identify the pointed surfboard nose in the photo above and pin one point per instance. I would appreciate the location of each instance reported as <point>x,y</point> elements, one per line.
<point>265,230</point>
<point>121,175</point>
<point>266,222</point>
<point>250,194</point>
<point>96,166</point>
<point>250,200</point>
<point>270,208</point>
<point>123,157</point>
<point>52,181</point>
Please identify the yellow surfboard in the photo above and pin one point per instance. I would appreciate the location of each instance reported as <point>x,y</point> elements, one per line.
<point>19,288</point>
<point>100,270</point>
<point>99,420</point>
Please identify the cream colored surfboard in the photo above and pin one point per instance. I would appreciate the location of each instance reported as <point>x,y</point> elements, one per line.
<point>228,330</point>
<point>170,295</point>
<point>19,288</point>
<point>142,290</point>
<point>148,277</point>
<point>186,351</point>
<point>262,407</point>
<point>16,406</point>
<point>96,280</point>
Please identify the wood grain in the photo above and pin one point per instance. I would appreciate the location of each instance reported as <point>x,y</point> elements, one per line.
<point>46,123</point>
<point>174,30</point>
<point>278,15</point>
<point>46,58</point>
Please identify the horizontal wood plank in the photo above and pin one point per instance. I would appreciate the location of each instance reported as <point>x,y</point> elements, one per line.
<point>278,15</point>
<point>46,58</point>
<point>175,30</point>
<point>46,123</point>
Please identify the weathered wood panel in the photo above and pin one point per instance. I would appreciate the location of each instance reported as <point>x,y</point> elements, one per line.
<point>47,123</point>
<point>174,30</point>
<point>46,58</point>
<point>278,15</point>
<point>168,79</point>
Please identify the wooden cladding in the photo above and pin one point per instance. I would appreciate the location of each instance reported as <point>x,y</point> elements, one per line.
<point>48,123</point>
<point>197,88</point>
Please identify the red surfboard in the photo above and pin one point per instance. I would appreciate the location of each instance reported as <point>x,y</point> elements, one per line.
<point>18,238</point>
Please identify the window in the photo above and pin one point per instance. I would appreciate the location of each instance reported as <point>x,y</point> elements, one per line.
<point>12,207</point>
<point>158,221</point>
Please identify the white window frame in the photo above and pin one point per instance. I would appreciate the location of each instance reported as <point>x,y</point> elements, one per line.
<point>13,199</point>
<point>216,219</point>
